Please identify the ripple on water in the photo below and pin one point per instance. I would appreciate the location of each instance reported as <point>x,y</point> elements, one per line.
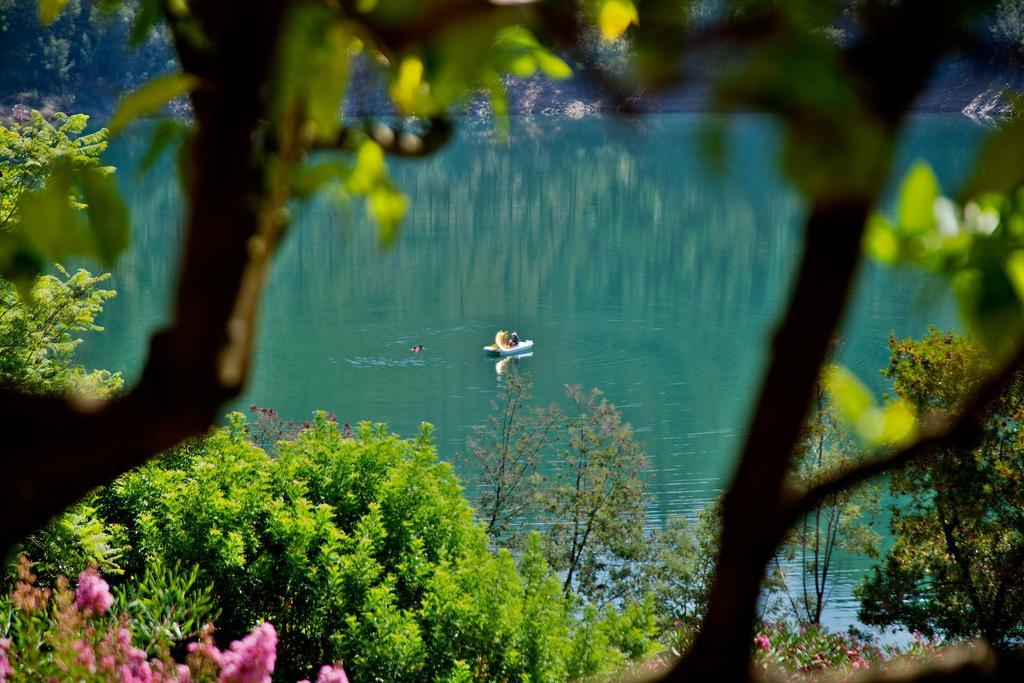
<point>385,362</point>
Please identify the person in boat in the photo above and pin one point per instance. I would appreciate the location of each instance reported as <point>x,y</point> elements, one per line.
<point>514,340</point>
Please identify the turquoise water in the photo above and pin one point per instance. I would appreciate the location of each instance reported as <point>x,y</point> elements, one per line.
<point>634,266</point>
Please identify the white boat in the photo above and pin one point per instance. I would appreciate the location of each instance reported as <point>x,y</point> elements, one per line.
<point>522,347</point>
<point>503,348</point>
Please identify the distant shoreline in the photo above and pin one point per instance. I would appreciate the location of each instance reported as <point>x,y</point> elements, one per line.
<point>961,85</point>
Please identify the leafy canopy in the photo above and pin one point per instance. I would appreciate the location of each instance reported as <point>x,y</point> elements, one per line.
<point>954,568</point>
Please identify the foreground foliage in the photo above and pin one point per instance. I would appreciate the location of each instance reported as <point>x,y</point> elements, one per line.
<point>358,549</point>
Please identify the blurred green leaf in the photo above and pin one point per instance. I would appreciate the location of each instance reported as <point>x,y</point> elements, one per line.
<point>849,394</point>
<point>148,15</point>
<point>48,220</point>
<point>1015,271</point>
<point>999,167</point>
<point>310,177</point>
<point>410,92</point>
<point>552,65</point>
<point>614,17</point>
<point>989,305</point>
<point>151,97</point>
<point>899,423</point>
<point>312,73</point>
<point>920,189</point>
<point>893,424</point>
<point>880,241</point>
<point>108,215</point>
<point>369,168</point>
<point>387,206</point>
<point>49,10</point>
<point>165,133</point>
<point>328,76</point>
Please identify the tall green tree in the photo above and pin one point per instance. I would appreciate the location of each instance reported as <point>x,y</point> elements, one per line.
<point>956,565</point>
<point>594,501</point>
<point>506,453</point>
<point>577,471</point>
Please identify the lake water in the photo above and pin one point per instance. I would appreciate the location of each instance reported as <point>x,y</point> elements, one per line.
<point>635,266</point>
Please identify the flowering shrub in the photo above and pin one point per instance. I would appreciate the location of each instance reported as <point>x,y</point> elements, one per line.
<point>62,634</point>
<point>812,649</point>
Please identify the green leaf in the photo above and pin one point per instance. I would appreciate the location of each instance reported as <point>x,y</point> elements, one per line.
<point>328,78</point>
<point>49,10</point>
<point>522,66</point>
<point>410,92</point>
<point>1015,271</point>
<point>517,36</point>
<point>899,423</point>
<point>920,189</point>
<point>108,215</point>
<point>880,241</point>
<point>310,177</point>
<point>312,72</point>
<point>145,19</point>
<point>165,133</point>
<point>850,395</point>
<point>49,221</point>
<point>614,17</point>
<point>552,65</point>
<point>151,97</point>
<point>369,168</point>
<point>999,167</point>
<point>387,206</point>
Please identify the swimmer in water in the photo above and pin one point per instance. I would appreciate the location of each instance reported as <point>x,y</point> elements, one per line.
<point>417,348</point>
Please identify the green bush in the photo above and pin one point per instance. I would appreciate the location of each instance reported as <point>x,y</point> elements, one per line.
<point>358,549</point>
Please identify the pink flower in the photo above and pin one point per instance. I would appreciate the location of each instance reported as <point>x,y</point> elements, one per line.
<point>86,657</point>
<point>332,674</point>
<point>251,659</point>
<point>93,594</point>
<point>5,664</point>
<point>762,641</point>
<point>136,672</point>
<point>137,669</point>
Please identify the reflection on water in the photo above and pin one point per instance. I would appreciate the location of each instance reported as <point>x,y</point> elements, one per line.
<point>510,362</point>
<point>636,268</point>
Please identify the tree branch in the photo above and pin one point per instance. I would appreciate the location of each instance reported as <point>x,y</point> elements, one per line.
<point>57,449</point>
<point>962,431</point>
